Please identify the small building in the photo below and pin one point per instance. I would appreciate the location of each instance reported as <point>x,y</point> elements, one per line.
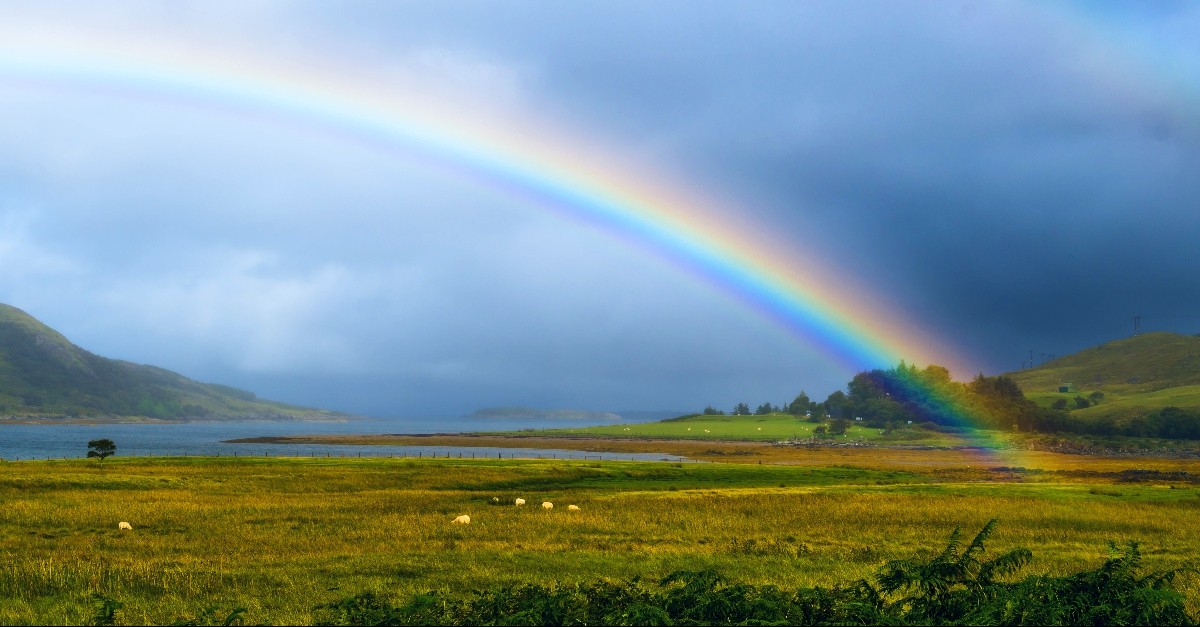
<point>1065,388</point>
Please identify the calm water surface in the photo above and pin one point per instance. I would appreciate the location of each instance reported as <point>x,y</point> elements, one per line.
<point>38,441</point>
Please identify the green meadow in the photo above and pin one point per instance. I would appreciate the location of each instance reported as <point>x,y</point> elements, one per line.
<point>1123,404</point>
<point>282,537</point>
<point>767,428</point>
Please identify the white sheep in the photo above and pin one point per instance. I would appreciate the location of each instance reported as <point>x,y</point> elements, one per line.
<point>463,520</point>
<point>573,508</point>
<point>495,499</point>
<point>519,502</point>
<point>124,525</point>
<point>547,505</point>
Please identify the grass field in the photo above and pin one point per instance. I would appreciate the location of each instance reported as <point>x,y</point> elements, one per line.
<point>768,428</point>
<point>282,536</point>
<point>1124,404</point>
<point>723,429</point>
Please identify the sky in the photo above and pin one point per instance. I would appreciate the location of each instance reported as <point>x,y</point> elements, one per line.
<point>352,205</point>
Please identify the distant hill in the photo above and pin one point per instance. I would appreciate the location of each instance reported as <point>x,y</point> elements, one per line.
<point>44,375</point>
<point>1135,375</point>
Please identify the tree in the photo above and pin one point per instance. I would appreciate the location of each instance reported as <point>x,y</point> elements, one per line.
<point>741,409</point>
<point>763,409</point>
<point>835,405</point>
<point>839,426</point>
<point>800,406</point>
<point>713,411</point>
<point>101,448</point>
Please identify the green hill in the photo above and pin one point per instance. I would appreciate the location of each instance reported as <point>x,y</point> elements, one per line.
<point>1135,375</point>
<point>42,374</point>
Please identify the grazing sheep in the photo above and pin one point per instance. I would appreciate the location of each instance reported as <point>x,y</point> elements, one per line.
<point>495,499</point>
<point>463,520</point>
<point>547,505</point>
<point>124,525</point>
<point>519,502</point>
<point>573,508</point>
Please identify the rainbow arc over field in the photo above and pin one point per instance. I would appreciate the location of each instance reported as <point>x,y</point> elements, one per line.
<point>558,170</point>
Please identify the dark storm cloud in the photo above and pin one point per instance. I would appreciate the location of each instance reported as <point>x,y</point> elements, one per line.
<point>1015,176</point>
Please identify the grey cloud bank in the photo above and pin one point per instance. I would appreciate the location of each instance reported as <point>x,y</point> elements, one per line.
<point>1014,177</point>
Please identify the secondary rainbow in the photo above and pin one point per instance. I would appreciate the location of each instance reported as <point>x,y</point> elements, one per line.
<point>561,171</point>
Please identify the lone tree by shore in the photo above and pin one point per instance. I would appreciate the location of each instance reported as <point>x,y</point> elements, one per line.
<point>101,448</point>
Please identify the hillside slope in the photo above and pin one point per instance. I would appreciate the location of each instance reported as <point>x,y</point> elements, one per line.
<point>1135,375</point>
<point>42,374</point>
<point>1142,363</point>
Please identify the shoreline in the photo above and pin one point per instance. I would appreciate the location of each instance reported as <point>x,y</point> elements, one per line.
<point>799,453</point>
<point>157,421</point>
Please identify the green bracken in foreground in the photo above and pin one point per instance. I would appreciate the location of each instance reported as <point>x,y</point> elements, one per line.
<point>284,537</point>
<point>960,585</point>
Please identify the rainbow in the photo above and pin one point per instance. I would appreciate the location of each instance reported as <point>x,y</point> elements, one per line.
<point>566,173</point>
<point>540,161</point>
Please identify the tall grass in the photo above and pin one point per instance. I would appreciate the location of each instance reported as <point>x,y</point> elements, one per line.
<point>957,586</point>
<point>281,537</point>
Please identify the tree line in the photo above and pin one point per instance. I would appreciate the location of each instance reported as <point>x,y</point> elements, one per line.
<point>930,397</point>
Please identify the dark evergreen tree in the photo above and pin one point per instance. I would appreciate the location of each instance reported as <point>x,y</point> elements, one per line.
<point>801,405</point>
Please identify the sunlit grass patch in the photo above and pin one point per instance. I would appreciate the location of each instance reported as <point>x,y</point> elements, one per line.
<point>281,536</point>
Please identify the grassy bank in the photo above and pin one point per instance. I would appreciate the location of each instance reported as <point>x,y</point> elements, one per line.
<point>282,536</point>
<point>766,428</point>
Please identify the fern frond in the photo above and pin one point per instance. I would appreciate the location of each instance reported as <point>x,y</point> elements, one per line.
<point>976,545</point>
<point>1004,565</point>
<point>951,550</point>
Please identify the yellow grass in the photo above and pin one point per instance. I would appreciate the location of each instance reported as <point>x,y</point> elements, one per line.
<point>282,536</point>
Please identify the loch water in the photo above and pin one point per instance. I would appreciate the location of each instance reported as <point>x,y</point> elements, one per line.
<point>209,438</point>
